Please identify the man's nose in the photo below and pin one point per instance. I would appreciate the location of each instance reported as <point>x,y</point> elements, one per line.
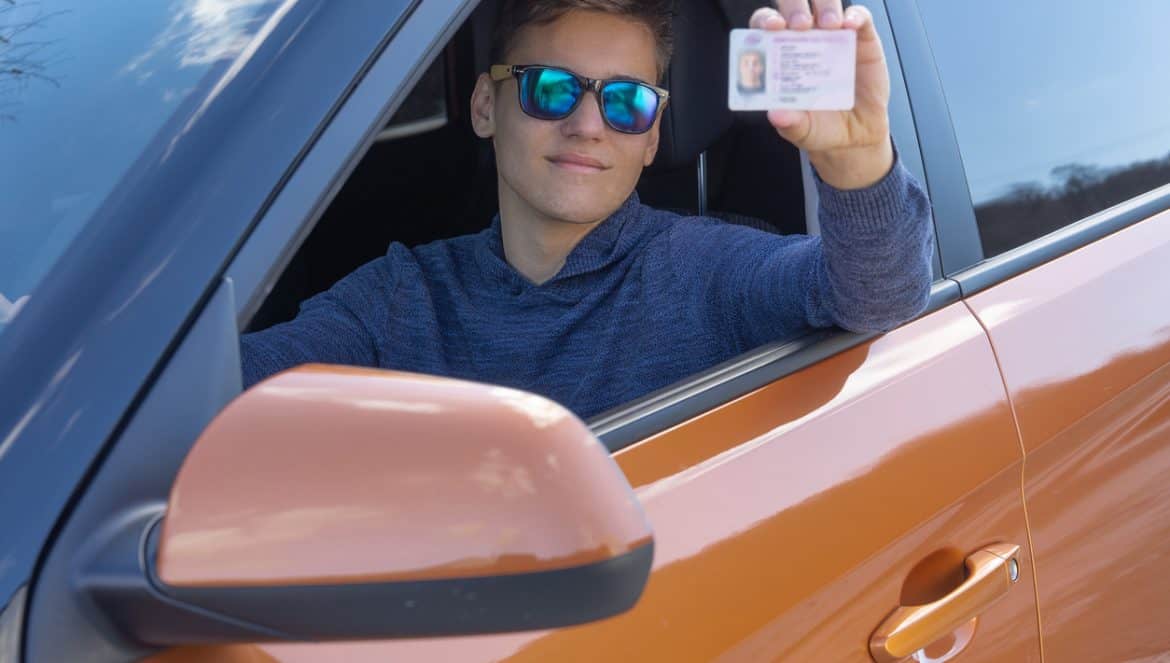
<point>585,120</point>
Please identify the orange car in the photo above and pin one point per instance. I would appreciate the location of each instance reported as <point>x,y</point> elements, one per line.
<point>987,483</point>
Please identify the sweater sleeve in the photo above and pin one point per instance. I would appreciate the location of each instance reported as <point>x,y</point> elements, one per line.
<point>869,270</point>
<point>335,327</point>
<point>877,246</point>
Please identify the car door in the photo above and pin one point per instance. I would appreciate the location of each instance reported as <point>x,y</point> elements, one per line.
<point>1072,287</point>
<point>1086,359</point>
<point>792,520</point>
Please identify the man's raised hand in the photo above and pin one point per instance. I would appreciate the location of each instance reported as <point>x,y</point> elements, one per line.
<point>849,149</point>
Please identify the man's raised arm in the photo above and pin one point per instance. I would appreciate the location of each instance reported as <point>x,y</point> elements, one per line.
<point>870,269</point>
<point>850,149</point>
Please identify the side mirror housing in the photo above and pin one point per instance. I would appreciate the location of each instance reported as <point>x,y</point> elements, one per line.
<point>333,503</point>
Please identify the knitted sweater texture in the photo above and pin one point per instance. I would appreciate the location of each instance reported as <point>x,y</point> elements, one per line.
<point>645,299</point>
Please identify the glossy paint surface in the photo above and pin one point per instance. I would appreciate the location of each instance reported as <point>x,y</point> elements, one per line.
<point>991,574</point>
<point>337,474</point>
<point>1084,342</point>
<point>791,522</point>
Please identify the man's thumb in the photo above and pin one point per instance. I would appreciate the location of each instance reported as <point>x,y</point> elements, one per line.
<point>793,126</point>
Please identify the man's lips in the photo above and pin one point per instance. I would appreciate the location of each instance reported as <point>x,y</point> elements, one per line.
<point>577,162</point>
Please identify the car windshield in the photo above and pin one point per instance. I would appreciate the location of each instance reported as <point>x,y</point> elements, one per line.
<point>84,86</point>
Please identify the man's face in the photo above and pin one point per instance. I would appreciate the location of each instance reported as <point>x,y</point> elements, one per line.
<point>577,169</point>
<point>751,68</point>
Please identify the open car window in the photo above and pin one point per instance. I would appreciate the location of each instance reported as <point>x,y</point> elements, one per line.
<point>440,182</point>
<point>424,109</point>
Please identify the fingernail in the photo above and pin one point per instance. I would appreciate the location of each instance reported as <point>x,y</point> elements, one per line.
<point>801,18</point>
<point>829,18</point>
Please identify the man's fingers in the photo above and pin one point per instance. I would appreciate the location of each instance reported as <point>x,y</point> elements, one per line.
<point>797,14</point>
<point>828,14</point>
<point>793,126</point>
<point>858,18</point>
<point>766,18</point>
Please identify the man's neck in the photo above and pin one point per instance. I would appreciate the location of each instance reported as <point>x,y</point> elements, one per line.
<point>537,246</point>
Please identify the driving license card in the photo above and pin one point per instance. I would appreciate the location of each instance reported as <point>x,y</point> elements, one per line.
<point>794,70</point>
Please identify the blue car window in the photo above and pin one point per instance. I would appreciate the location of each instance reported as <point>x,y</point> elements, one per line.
<point>84,86</point>
<point>1060,111</point>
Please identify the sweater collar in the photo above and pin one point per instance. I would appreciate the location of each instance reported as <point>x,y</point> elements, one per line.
<point>606,244</point>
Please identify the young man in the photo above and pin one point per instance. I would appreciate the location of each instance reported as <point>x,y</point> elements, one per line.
<point>578,291</point>
<point>751,72</point>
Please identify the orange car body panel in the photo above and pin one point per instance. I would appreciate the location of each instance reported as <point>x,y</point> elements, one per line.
<point>297,482</point>
<point>1084,344</point>
<point>789,523</point>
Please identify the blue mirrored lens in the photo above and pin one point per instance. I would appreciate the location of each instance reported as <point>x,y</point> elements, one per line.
<point>629,107</point>
<point>550,94</point>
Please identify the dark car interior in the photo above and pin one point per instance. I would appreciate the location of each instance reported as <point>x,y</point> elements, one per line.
<point>429,177</point>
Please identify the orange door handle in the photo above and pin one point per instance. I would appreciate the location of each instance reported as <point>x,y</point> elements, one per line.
<point>990,574</point>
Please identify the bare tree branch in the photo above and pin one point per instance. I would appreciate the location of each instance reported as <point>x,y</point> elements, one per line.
<point>24,59</point>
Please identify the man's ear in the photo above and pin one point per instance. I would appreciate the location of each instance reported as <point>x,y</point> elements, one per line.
<point>652,145</point>
<point>483,101</point>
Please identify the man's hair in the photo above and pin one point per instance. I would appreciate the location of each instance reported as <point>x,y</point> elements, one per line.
<point>656,15</point>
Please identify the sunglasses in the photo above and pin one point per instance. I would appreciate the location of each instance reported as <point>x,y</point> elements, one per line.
<point>552,93</point>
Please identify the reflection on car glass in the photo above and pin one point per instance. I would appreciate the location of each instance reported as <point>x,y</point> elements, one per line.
<point>1044,147</point>
<point>82,94</point>
<point>1031,209</point>
<point>9,308</point>
<point>200,34</point>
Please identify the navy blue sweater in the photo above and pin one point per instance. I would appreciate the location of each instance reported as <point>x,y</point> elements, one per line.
<point>646,298</point>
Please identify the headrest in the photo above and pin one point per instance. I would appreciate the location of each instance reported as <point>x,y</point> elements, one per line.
<point>483,24</point>
<point>697,114</point>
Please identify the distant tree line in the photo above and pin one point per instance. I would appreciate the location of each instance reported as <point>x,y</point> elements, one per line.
<point>1031,210</point>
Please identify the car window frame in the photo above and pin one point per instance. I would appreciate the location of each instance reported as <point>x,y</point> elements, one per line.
<point>957,230</point>
<point>299,204</point>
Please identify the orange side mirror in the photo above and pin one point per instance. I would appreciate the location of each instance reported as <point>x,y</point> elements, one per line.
<point>333,502</point>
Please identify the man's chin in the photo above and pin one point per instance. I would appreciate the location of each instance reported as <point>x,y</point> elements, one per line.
<point>579,209</point>
<point>580,215</point>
